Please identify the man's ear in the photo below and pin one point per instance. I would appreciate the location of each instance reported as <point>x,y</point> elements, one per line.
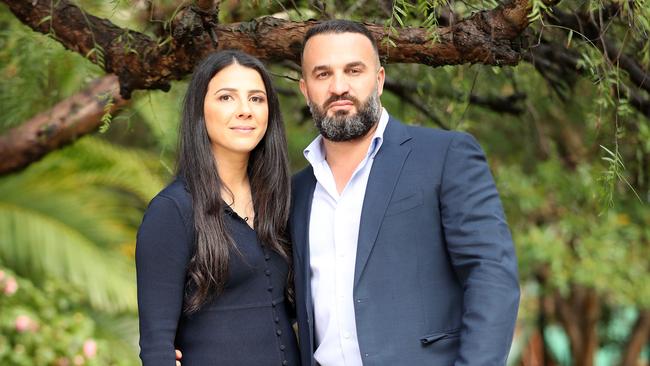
<point>303,89</point>
<point>381,77</point>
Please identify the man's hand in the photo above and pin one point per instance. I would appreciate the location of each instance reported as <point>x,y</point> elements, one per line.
<point>179,355</point>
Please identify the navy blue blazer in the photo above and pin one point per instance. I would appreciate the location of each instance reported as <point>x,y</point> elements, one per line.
<point>435,278</point>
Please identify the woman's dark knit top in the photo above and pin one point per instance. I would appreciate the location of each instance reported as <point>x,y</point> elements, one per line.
<point>247,324</point>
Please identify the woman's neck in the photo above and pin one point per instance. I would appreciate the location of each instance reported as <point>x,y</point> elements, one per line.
<point>236,191</point>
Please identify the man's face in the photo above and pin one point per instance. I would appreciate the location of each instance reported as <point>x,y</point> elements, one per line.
<point>342,82</point>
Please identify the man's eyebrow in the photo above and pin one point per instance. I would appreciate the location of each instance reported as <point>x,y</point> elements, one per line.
<point>355,64</point>
<point>318,68</point>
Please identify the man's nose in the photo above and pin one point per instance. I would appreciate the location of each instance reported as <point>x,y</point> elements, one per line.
<point>339,85</point>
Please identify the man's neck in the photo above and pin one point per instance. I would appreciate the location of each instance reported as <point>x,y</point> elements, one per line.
<point>343,157</point>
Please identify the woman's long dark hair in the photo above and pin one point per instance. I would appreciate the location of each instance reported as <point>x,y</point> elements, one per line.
<point>268,172</point>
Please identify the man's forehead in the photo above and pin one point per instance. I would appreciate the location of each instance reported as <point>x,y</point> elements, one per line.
<point>338,48</point>
<point>338,40</point>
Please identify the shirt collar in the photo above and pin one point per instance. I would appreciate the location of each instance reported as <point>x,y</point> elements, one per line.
<point>315,152</point>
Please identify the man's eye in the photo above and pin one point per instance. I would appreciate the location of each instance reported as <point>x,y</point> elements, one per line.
<point>354,71</point>
<point>321,75</point>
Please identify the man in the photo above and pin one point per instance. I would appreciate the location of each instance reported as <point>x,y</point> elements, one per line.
<point>402,254</point>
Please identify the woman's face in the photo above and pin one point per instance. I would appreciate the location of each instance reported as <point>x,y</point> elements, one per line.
<point>236,110</point>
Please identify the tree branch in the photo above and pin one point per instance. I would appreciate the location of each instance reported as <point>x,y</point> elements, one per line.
<point>65,122</point>
<point>489,37</point>
<point>559,65</point>
<point>414,100</point>
<point>584,23</point>
<point>505,104</point>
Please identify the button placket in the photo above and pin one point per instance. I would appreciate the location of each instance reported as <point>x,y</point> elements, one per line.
<point>274,307</point>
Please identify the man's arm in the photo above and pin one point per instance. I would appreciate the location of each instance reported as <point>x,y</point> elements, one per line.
<point>482,254</point>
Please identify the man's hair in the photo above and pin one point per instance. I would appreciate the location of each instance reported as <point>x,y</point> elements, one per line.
<point>339,26</point>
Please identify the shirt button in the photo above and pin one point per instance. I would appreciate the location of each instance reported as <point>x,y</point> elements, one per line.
<point>365,354</point>
<point>277,319</point>
<point>270,288</point>
<point>282,347</point>
<point>267,272</point>
<point>267,257</point>
<point>278,332</point>
<point>346,335</point>
<point>285,362</point>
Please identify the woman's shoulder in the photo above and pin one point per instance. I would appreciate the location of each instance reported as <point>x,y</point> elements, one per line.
<point>174,196</point>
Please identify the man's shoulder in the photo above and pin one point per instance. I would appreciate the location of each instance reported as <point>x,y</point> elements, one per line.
<point>420,133</point>
<point>432,138</point>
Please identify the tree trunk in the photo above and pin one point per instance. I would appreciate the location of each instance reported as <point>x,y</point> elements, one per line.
<point>579,316</point>
<point>638,338</point>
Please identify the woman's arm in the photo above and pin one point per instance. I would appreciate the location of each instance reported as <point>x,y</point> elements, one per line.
<point>162,253</point>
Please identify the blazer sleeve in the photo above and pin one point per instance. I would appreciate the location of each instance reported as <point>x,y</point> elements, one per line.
<point>482,254</point>
<point>162,254</point>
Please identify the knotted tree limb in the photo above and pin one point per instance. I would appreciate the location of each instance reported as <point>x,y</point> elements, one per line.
<point>489,37</point>
<point>65,122</point>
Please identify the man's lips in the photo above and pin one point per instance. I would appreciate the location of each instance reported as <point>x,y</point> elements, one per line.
<point>341,104</point>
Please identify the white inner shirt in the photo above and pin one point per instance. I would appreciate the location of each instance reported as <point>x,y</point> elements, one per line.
<point>333,236</point>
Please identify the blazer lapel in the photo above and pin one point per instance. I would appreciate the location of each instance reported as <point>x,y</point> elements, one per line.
<point>384,174</point>
<point>304,196</point>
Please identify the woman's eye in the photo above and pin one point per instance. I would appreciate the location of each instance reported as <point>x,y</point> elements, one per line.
<point>225,97</point>
<point>257,99</point>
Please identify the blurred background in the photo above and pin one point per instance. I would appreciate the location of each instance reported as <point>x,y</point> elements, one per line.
<point>566,132</point>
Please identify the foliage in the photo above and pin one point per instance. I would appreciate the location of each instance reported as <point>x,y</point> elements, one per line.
<point>46,325</point>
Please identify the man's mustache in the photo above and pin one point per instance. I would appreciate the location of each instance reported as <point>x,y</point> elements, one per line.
<point>336,98</point>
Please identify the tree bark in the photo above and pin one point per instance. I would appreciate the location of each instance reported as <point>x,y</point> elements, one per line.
<point>65,122</point>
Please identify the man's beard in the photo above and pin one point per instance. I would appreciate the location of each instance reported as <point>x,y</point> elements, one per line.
<point>343,126</point>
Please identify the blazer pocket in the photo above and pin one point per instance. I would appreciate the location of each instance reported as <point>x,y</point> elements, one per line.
<point>405,203</point>
<point>435,337</point>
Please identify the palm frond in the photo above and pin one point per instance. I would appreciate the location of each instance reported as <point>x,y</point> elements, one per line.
<point>39,247</point>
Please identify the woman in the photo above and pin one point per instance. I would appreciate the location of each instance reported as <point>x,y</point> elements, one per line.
<point>212,257</point>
